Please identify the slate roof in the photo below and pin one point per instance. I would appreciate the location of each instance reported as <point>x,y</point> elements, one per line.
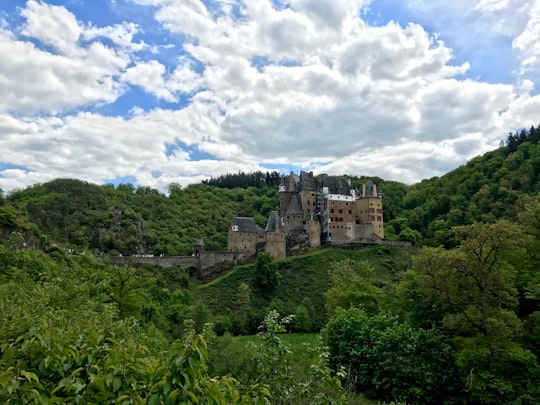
<point>371,189</point>
<point>295,207</point>
<point>246,224</point>
<point>273,222</point>
<point>336,185</point>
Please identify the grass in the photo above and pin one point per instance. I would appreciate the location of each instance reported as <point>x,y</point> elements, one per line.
<point>230,355</point>
<point>303,279</point>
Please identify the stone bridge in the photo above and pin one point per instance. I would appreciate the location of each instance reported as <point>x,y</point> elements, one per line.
<point>205,266</point>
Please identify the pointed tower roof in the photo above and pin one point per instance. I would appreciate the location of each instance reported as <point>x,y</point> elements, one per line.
<point>274,223</point>
<point>295,207</point>
<point>370,189</point>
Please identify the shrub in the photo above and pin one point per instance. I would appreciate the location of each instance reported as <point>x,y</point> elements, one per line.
<point>391,361</point>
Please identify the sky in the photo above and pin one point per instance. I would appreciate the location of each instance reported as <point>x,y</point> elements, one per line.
<point>155,92</point>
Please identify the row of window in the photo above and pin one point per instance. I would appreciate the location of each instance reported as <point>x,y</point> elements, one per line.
<point>340,211</point>
<point>372,218</point>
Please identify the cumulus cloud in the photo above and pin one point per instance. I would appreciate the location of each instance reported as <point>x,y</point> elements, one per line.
<point>153,78</point>
<point>256,83</point>
<point>65,76</point>
<point>52,25</point>
<point>528,41</point>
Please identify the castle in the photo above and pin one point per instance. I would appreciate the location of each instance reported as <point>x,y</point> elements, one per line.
<point>313,211</point>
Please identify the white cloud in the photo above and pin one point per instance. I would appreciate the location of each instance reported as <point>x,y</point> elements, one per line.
<point>307,82</point>
<point>69,75</point>
<point>528,42</point>
<point>120,34</point>
<point>153,77</point>
<point>149,75</point>
<point>52,25</point>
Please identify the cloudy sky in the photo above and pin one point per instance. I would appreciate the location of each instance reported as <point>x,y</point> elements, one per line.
<point>153,92</point>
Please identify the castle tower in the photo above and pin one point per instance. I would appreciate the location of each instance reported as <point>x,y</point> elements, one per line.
<point>276,244</point>
<point>369,208</point>
<point>198,247</point>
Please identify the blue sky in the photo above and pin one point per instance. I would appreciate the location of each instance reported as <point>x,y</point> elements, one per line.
<point>156,92</point>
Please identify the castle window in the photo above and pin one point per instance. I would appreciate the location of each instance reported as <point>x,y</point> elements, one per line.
<point>379,218</point>
<point>341,211</point>
<point>331,210</point>
<point>350,211</point>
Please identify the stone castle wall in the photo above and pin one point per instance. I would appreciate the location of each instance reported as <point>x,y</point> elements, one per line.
<point>204,266</point>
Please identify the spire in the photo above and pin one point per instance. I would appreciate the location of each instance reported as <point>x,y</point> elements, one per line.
<point>295,207</point>
<point>274,223</point>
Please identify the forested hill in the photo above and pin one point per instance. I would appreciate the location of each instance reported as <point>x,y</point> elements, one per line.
<point>485,189</point>
<point>129,220</point>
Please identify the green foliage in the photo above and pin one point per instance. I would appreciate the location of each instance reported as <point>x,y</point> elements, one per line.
<point>484,190</point>
<point>498,372</point>
<point>304,281</point>
<point>391,361</point>
<point>123,288</point>
<point>266,275</point>
<point>302,319</point>
<point>128,220</point>
<point>96,368</point>
<point>254,179</point>
<point>474,283</point>
<point>303,358</point>
<point>351,286</point>
<point>474,290</point>
<point>62,340</point>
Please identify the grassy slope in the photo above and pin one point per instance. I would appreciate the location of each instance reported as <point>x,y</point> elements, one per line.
<point>301,277</point>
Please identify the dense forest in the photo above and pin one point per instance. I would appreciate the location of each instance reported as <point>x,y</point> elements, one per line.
<point>454,320</point>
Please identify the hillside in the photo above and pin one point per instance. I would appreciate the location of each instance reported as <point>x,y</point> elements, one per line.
<point>128,220</point>
<point>304,281</point>
<point>485,189</point>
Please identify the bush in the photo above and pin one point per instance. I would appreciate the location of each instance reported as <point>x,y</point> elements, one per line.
<point>391,361</point>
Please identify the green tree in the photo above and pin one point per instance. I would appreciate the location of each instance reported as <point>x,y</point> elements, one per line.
<point>352,287</point>
<point>474,286</point>
<point>302,320</point>
<point>272,358</point>
<point>266,276</point>
<point>243,306</point>
<point>125,282</point>
<point>474,282</point>
<point>391,361</point>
